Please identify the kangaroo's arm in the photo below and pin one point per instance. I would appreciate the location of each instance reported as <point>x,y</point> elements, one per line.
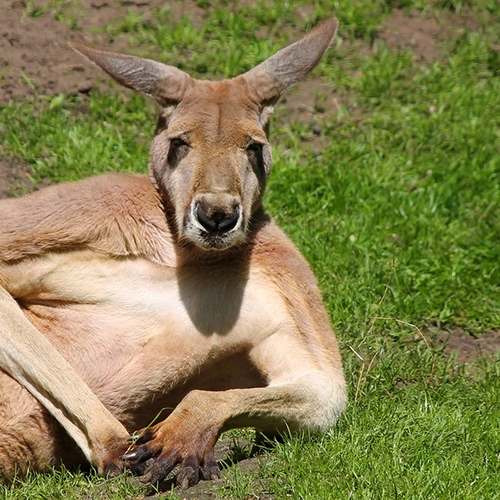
<point>113,214</point>
<point>311,401</point>
<point>187,437</point>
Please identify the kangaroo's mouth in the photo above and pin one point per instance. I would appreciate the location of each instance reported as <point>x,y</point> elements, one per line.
<point>214,229</point>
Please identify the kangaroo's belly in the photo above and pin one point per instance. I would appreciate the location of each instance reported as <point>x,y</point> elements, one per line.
<point>142,335</point>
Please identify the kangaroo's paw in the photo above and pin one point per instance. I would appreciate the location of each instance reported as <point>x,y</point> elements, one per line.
<point>172,442</point>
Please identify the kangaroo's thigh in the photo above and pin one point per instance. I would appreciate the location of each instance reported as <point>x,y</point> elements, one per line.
<point>30,438</point>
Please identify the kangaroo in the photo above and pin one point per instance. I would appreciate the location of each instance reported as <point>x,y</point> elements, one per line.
<point>128,297</point>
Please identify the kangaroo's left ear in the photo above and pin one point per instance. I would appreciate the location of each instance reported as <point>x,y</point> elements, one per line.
<point>271,79</point>
<point>163,83</point>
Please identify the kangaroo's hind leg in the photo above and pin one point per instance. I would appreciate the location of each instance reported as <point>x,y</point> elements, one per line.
<point>30,438</point>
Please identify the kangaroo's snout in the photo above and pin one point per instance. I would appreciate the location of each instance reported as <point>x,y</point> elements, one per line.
<point>215,219</point>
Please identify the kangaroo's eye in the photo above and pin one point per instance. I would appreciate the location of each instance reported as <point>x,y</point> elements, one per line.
<point>178,149</point>
<point>254,152</point>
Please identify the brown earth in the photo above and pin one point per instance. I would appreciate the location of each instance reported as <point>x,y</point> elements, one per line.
<point>35,55</point>
<point>35,58</point>
<point>466,347</point>
<point>425,34</point>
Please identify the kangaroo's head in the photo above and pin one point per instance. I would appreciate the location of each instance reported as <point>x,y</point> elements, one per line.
<point>210,157</point>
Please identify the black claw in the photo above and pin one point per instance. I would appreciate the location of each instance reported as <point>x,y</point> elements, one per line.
<point>131,455</point>
<point>189,473</point>
<point>210,472</point>
<point>158,471</point>
<point>188,476</point>
<point>210,468</point>
<point>139,469</point>
<point>112,470</point>
<point>153,467</point>
<point>139,454</point>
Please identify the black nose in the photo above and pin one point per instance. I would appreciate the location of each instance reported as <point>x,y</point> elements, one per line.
<point>217,221</point>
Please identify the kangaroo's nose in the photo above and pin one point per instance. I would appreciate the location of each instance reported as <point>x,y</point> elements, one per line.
<point>217,220</point>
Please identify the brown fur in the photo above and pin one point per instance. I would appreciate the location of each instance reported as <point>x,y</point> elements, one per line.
<point>121,297</point>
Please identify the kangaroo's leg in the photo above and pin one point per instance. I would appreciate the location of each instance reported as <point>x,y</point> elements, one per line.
<point>30,359</point>
<point>302,394</point>
<point>30,437</point>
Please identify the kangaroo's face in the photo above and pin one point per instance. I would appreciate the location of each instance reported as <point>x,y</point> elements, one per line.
<point>210,157</point>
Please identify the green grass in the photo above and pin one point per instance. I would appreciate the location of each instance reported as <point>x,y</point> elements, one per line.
<point>419,429</point>
<point>64,485</point>
<point>399,216</point>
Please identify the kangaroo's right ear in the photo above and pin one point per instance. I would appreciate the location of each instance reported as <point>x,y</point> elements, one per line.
<point>272,78</point>
<point>165,84</point>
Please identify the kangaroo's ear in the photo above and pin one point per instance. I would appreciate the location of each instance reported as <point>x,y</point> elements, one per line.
<point>272,78</point>
<point>165,84</point>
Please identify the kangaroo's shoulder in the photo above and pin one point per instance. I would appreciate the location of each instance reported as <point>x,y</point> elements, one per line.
<point>117,214</point>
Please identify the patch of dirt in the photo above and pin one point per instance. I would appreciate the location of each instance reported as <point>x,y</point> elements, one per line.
<point>467,347</point>
<point>424,33</point>
<point>310,103</point>
<point>15,178</point>
<point>312,100</point>
<point>34,53</point>
<point>35,56</point>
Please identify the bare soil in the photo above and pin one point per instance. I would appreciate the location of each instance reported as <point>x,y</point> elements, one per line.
<point>35,59</point>
<point>425,34</point>
<point>466,347</point>
<point>35,56</point>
